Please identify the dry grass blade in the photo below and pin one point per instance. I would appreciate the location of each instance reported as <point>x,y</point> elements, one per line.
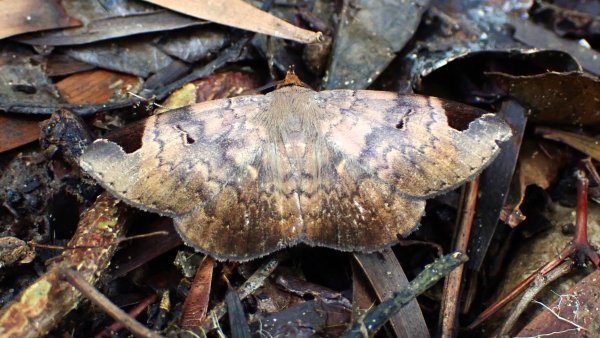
<point>239,14</point>
<point>585,144</point>
<point>538,285</point>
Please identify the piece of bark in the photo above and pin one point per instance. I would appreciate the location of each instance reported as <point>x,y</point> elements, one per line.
<point>44,303</point>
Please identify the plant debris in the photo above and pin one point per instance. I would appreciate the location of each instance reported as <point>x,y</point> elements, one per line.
<point>128,71</point>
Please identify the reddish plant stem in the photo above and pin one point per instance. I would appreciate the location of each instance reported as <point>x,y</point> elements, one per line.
<point>77,280</point>
<point>579,246</point>
<point>453,283</point>
<point>589,165</point>
<point>580,242</point>
<point>133,312</point>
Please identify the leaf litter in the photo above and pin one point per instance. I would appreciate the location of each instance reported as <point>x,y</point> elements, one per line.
<point>117,62</point>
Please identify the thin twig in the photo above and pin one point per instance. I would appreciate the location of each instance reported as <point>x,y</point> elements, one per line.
<point>580,242</point>
<point>75,279</point>
<point>43,304</point>
<point>250,285</point>
<point>150,234</point>
<point>133,312</point>
<point>579,247</point>
<point>376,317</point>
<point>453,283</point>
<point>538,285</point>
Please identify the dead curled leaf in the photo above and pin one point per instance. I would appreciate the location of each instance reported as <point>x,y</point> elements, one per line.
<point>535,167</point>
<point>557,98</point>
<point>17,17</point>
<point>586,144</point>
<point>537,36</point>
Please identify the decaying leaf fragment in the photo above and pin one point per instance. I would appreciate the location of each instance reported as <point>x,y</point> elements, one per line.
<point>345,169</point>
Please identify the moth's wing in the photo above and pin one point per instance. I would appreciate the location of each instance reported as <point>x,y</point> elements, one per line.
<point>202,166</point>
<point>347,208</point>
<point>255,214</point>
<point>186,156</point>
<point>406,140</point>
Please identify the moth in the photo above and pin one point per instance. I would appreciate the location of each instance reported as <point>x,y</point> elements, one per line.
<point>344,169</point>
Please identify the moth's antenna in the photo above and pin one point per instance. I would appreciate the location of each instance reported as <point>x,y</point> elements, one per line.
<point>258,90</point>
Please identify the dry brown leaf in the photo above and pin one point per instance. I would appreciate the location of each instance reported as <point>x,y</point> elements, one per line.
<point>196,303</point>
<point>97,86</point>
<point>586,144</point>
<point>239,14</point>
<point>536,167</point>
<point>555,97</point>
<point>23,16</point>
<point>16,131</point>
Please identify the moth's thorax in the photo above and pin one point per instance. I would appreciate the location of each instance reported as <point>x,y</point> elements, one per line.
<point>292,110</point>
<point>293,124</point>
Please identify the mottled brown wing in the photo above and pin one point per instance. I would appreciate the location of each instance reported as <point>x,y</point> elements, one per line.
<point>405,140</point>
<point>210,167</point>
<point>346,207</point>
